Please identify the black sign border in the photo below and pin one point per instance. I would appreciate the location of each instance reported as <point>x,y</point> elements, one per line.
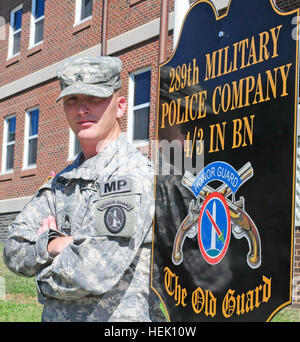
<point>292,252</point>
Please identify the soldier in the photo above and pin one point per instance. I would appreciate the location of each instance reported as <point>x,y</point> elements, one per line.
<point>86,235</point>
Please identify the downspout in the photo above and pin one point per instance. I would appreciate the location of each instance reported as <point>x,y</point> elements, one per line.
<point>163,37</point>
<point>104,28</point>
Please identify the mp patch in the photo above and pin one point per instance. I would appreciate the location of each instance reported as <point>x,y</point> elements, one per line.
<point>115,186</point>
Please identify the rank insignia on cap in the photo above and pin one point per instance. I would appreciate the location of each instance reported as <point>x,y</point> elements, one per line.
<point>78,78</point>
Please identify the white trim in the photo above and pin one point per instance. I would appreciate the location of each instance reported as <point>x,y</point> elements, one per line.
<point>13,33</point>
<point>27,138</point>
<point>132,108</point>
<point>72,138</point>
<point>180,9</point>
<point>5,144</point>
<point>33,22</point>
<point>78,10</point>
<point>13,205</point>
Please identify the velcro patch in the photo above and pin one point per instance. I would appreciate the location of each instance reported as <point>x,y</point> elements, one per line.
<point>115,216</point>
<point>115,186</point>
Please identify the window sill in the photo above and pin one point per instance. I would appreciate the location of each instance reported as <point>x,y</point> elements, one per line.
<point>140,143</point>
<point>4,177</point>
<point>34,49</point>
<point>12,60</point>
<point>82,25</point>
<point>28,172</point>
<point>134,2</point>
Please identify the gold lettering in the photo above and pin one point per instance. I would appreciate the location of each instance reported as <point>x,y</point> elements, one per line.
<point>238,137</point>
<point>249,88</point>
<point>165,111</point>
<point>271,82</point>
<point>252,53</point>
<point>237,94</point>
<point>216,110</point>
<point>226,70</point>
<point>179,293</point>
<point>242,54</point>
<point>198,300</point>
<point>266,289</point>
<point>284,76</point>
<point>243,44</point>
<point>259,90</point>
<point>243,303</point>
<point>210,66</point>
<point>275,37</point>
<point>220,137</point>
<point>263,50</point>
<point>202,107</point>
<point>225,101</point>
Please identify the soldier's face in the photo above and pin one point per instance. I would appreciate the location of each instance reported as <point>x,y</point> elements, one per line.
<point>94,119</point>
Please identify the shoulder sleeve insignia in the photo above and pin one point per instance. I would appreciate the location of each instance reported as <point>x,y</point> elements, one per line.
<point>115,216</point>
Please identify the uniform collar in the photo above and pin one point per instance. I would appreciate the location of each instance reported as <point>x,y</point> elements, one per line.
<point>99,165</point>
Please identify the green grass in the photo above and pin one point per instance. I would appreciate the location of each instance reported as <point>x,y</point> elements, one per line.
<point>287,314</point>
<point>19,301</point>
<point>21,305</point>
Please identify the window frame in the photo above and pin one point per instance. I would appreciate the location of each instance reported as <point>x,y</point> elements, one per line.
<point>132,107</point>
<point>12,33</point>
<point>78,12</point>
<point>72,141</point>
<point>33,22</point>
<point>27,138</point>
<point>5,144</point>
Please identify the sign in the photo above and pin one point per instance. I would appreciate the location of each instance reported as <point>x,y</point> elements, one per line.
<point>227,116</point>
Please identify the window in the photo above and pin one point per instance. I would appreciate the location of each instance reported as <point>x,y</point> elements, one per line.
<point>139,106</point>
<point>31,138</point>
<point>84,9</point>
<point>37,22</point>
<point>74,146</point>
<point>9,144</point>
<point>15,31</point>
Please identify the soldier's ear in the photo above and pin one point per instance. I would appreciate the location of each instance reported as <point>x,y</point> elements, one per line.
<point>121,104</point>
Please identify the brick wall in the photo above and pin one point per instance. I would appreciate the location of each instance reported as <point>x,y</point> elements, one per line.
<point>60,41</point>
<point>287,5</point>
<point>296,283</point>
<point>5,220</point>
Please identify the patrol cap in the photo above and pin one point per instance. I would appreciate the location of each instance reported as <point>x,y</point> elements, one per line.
<point>95,76</point>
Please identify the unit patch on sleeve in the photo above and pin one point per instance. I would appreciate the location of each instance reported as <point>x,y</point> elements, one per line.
<point>115,216</point>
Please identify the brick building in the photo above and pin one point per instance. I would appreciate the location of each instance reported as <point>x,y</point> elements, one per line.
<point>39,34</point>
<point>35,36</point>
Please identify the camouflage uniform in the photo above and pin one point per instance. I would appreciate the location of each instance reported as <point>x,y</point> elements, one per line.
<point>106,203</point>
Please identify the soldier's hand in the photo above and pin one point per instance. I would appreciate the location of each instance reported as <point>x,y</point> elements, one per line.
<point>48,223</point>
<point>57,245</point>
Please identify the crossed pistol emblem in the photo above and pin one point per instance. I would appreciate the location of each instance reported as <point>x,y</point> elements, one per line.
<point>242,224</point>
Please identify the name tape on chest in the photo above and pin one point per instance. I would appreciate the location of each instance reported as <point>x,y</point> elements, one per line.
<point>115,186</point>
